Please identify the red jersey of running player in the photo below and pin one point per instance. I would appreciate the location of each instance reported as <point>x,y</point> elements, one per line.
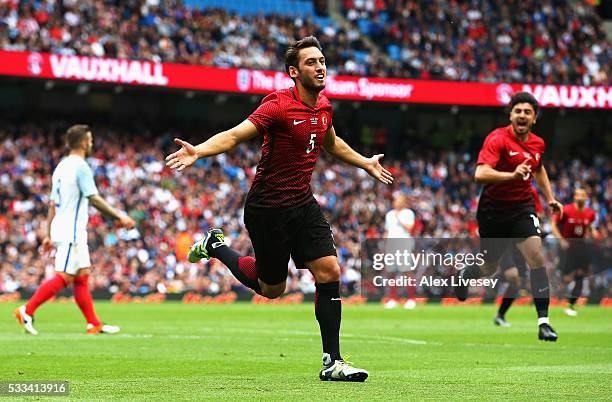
<point>504,152</point>
<point>292,136</point>
<point>575,222</point>
<point>536,199</point>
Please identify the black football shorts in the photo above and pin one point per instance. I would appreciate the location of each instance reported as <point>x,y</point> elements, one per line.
<point>513,258</point>
<point>500,229</point>
<point>301,233</point>
<point>578,256</point>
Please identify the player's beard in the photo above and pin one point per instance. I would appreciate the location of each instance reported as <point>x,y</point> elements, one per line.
<point>310,85</point>
<point>580,204</point>
<point>523,130</point>
<point>88,151</point>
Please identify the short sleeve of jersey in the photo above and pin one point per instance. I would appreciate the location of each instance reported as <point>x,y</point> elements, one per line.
<point>592,217</point>
<point>542,156</point>
<point>85,180</point>
<point>267,114</point>
<point>54,192</point>
<point>331,116</point>
<point>388,220</point>
<point>491,150</point>
<point>406,217</point>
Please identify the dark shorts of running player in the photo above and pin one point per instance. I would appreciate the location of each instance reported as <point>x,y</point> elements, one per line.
<point>513,258</point>
<point>578,256</point>
<point>501,229</point>
<point>301,233</point>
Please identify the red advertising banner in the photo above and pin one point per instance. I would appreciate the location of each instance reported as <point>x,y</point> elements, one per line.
<point>183,76</point>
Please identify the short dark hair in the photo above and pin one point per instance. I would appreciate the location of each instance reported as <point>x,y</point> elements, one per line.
<point>76,134</point>
<point>293,51</point>
<point>524,97</point>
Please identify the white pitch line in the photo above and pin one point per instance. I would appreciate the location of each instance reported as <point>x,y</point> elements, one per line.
<point>213,333</point>
<point>602,368</point>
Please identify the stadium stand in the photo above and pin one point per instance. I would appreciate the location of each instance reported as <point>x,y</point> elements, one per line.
<point>130,172</point>
<point>490,40</point>
<point>236,36</point>
<point>524,42</point>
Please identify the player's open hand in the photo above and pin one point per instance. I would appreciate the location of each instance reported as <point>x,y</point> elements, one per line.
<point>375,169</point>
<point>557,207</point>
<point>183,158</point>
<point>47,246</point>
<point>522,171</point>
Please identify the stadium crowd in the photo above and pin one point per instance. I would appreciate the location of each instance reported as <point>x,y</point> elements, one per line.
<point>166,31</point>
<point>546,41</point>
<point>488,40</point>
<point>172,210</point>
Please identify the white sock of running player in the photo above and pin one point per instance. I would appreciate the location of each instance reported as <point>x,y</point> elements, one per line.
<point>543,320</point>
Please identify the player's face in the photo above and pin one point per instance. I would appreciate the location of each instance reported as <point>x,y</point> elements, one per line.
<point>399,202</point>
<point>312,71</point>
<point>88,144</point>
<point>522,117</point>
<point>580,197</point>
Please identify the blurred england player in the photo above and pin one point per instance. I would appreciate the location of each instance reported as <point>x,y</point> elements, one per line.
<point>73,188</point>
<point>399,222</point>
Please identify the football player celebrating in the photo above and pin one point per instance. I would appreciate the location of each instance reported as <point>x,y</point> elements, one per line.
<point>281,215</point>
<point>509,158</point>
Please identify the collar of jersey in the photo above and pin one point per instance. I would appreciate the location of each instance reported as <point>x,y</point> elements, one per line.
<point>299,99</point>
<point>511,134</point>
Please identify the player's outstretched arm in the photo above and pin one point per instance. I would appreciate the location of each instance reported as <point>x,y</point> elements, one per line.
<point>541,178</point>
<point>101,205</point>
<point>339,149</point>
<point>217,144</point>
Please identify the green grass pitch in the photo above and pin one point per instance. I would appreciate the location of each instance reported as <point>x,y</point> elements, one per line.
<point>173,352</point>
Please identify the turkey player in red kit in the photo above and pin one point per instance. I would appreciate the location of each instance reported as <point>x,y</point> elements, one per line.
<point>281,215</point>
<point>571,229</point>
<point>509,158</point>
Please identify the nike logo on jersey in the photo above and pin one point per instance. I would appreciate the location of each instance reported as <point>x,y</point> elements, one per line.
<point>296,122</point>
<point>513,153</point>
<point>336,299</point>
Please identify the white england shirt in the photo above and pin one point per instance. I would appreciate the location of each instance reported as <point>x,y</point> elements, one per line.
<point>393,221</point>
<point>73,183</point>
